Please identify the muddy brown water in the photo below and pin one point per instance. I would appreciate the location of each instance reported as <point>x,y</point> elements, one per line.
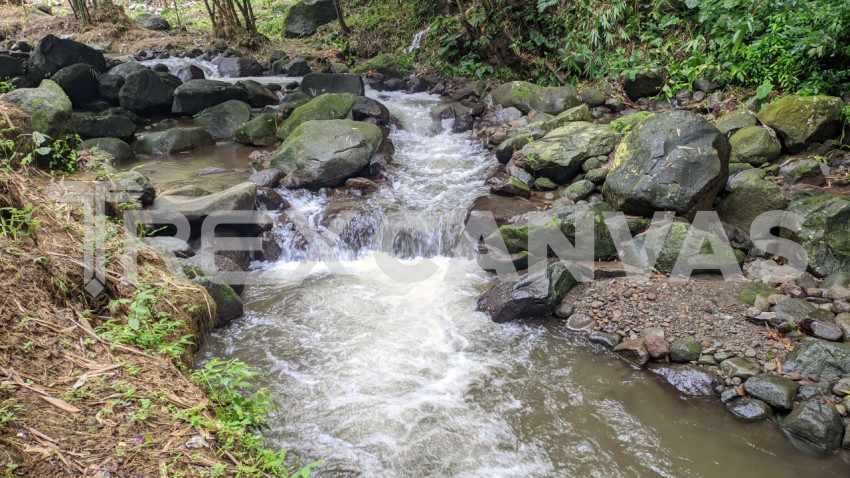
<point>385,377</point>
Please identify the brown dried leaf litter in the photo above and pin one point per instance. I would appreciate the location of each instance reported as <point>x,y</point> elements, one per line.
<point>77,400</point>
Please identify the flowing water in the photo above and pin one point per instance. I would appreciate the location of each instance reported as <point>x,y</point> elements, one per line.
<point>386,377</point>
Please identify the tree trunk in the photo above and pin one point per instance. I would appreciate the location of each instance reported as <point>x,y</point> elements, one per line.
<point>341,17</point>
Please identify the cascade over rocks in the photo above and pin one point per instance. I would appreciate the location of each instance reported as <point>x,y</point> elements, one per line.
<point>48,106</point>
<point>315,84</point>
<point>196,95</point>
<point>326,153</point>
<point>673,161</point>
<point>528,96</point>
<point>146,92</point>
<point>52,54</point>
<point>304,16</point>
<point>804,120</point>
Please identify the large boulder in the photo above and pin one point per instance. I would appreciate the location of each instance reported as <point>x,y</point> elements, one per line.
<point>315,84</point>
<point>535,294</point>
<point>48,106</point>
<point>224,118</point>
<point>196,95</point>
<point>104,126</point>
<point>174,140</point>
<point>816,424</point>
<point>736,120</point>
<point>385,64</point>
<point>233,67</point>
<point>304,16</point>
<point>258,95</point>
<point>750,199</point>
<point>824,232</point>
<point>669,241</point>
<point>52,54</point>
<point>560,154</point>
<point>673,161</point>
<point>326,107</point>
<point>528,96</point>
<point>147,92</point>
<point>754,145</point>
<point>10,67</point>
<point>79,82</point>
<point>296,67</point>
<point>819,360</point>
<point>114,147</point>
<point>326,153</point>
<point>803,120</point>
<point>645,83</point>
<point>260,131</point>
<point>153,22</point>
<point>109,85</point>
<point>195,209</point>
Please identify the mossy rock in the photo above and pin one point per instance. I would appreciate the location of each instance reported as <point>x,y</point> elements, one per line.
<point>736,120</point>
<point>750,290</point>
<point>685,350</point>
<point>803,120</point>
<point>260,131</point>
<point>331,106</point>
<point>824,232</point>
<point>228,304</point>
<point>544,184</point>
<point>754,145</point>
<point>627,123</point>
<point>560,154</point>
<point>49,107</point>
<point>527,96</point>
<point>748,201</point>
<point>578,190</point>
<point>385,64</point>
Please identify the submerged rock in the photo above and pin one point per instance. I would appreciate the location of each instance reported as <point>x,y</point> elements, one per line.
<point>750,409</point>
<point>633,351</point>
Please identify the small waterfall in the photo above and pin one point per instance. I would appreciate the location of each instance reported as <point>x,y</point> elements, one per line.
<point>418,40</point>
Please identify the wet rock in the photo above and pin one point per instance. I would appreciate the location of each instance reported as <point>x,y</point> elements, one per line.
<point>363,185</point>
<point>174,140</point>
<point>657,346</point>
<point>581,323</point>
<point>506,148</point>
<point>326,153</point>
<point>499,208</point>
<point>153,22</point>
<point>238,67</point>
<point>633,351</point>
<point>803,120</point>
<point>560,154</point>
<point>224,118</point>
<point>267,178</point>
<point>228,304</point>
<point>822,234</point>
<point>258,95</point>
<point>511,187</point>
<point>194,96</point>
<point>655,168</point>
<point>597,176</point>
<point>259,131</point>
<point>109,126</point>
<point>685,349</point>
<point>740,367</point>
<point>564,310</point>
<point>462,123</point>
<point>316,84</point>
<point>332,106</point>
<point>777,391</point>
<point>826,331</point>
<point>688,379</point>
<point>52,54</point>
<point>750,409</point>
<point>645,84</point>
<point>754,145</point>
<point>804,171</point>
<point>819,359</point>
<point>545,184</point>
<point>271,200</point>
<point>604,339</point>
<point>534,294</point>
<point>148,92</point>
<point>527,96</point>
<point>126,69</point>
<point>816,424</point>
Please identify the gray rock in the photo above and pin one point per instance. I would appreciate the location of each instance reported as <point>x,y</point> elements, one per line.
<point>749,409</point>
<point>174,141</point>
<point>645,84</point>
<point>804,171</point>
<point>152,22</point>
<point>234,67</point>
<point>633,351</point>
<point>578,190</point>
<point>748,201</point>
<point>793,310</point>
<point>148,92</point>
<point>10,67</point>
<point>803,120</point>
<point>819,359</point>
<point>564,310</point>
<point>316,84</point>
<point>258,95</point>
<point>196,95</point>
<point>675,161</point>
<point>560,154</point>
<point>604,339</point>
<point>237,198</point>
<point>304,16</point>
<point>842,387</point>
<point>685,349</point>
<point>735,120</point>
<point>296,67</point>
<point>79,82</point>
<point>826,331</point>
<point>823,232</point>
<point>224,118</point>
<point>52,54</point>
<point>119,150</point>
<point>754,145</point>
<point>534,294</point>
<point>581,323</point>
<point>593,97</point>
<point>777,391</point>
<point>688,379</point>
<point>527,96</point>
<point>740,367</point>
<point>48,106</point>
<point>109,126</point>
<point>228,304</point>
<point>816,424</point>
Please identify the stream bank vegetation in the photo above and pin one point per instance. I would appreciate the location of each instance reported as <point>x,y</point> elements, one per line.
<point>94,385</point>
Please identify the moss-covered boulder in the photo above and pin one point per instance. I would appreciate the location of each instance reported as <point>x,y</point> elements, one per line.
<point>119,150</point>
<point>752,289</point>
<point>326,153</point>
<point>669,241</point>
<point>624,124</point>
<point>824,232</point>
<point>754,145</point>
<point>736,120</point>
<point>673,161</point>
<point>578,190</point>
<point>685,349</point>
<point>750,199</point>
<point>385,64</point>
<point>260,131</point>
<point>228,304</point>
<point>803,120</point>
<point>576,113</point>
<point>304,16</point>
<point>223,119</point>
<point>560,154</point>
<point>326,107</point>
<point>48,106</point>
<point>174,140</point>
<point>819,360</point>
<point>527,96</point>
